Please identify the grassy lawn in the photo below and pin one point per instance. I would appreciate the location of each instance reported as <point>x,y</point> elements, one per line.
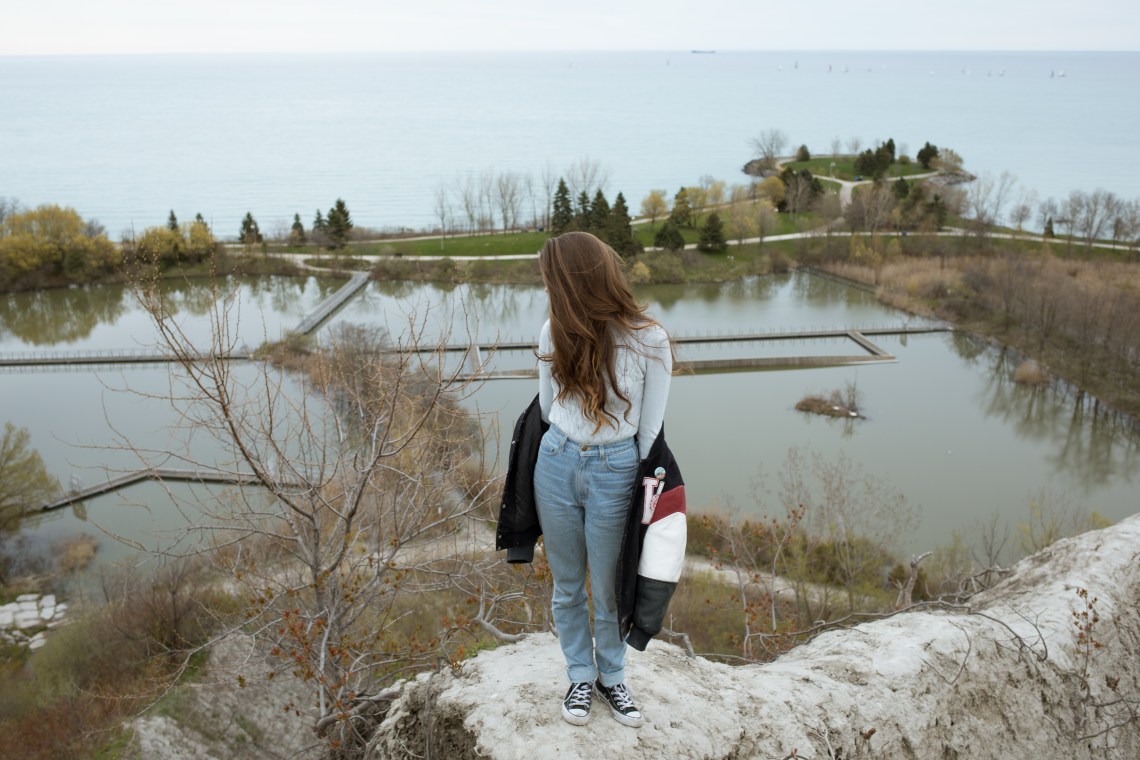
<point>464,245</point>
<point>498,245</point>
<point>845,168</point>
<point>785,226</point>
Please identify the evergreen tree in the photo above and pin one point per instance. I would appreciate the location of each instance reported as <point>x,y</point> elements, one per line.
<point>669,237</point>
<point>297,233</point>
<point>319,223</point>
<point>562,216</point>
<point>803,154</point>
<point>889,148</point>
<point>582,212</point>
<point>901,188</point>
<point>199,219</point>
<point>712,235</point>
<point>926,154</point>
<point>936,208</point>
<point>250,233</point>
<point>620,230</point>
<point>682,213</point>
<point>600,216</point>
<point>1049,227</point>
<point>338,224</point>
<point>172,221</point>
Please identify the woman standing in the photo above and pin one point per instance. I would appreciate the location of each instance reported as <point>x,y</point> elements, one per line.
<point>604,371</point>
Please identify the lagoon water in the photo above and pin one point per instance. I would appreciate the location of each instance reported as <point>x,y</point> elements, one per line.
<point>946,426</point>
<point>126,139</point>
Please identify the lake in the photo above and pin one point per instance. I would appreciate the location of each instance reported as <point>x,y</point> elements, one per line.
<point>125,139</point>
<point>947,428</point>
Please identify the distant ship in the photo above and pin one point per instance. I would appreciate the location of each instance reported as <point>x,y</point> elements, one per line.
<point>702,52</point>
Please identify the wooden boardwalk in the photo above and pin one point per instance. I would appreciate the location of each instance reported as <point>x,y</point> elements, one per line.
<point>874,354</point>
<point>99,357</point>
<point>741,337</point>
<point>151,473</point>
<point>332,304</point>
<point>859,335</point>
<point>108,357</point>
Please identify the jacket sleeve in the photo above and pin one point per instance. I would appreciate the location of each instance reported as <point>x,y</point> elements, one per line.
<point>518,527</point>
<point>653,548</point>
<point>659,566</point>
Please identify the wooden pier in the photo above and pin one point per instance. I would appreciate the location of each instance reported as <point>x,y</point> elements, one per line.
<point>874,354</point>
<point>152,473</point>
<point>332,304</point>
<point>860,336</point>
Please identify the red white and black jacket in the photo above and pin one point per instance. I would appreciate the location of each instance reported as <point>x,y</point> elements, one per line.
<point>653,547</point>
<point>653,544</point>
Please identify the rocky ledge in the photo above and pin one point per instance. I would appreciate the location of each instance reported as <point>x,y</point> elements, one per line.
<point>1043,664</point>
<point>26,620</point>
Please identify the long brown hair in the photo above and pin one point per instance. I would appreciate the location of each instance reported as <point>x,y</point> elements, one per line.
<point>590,304</point>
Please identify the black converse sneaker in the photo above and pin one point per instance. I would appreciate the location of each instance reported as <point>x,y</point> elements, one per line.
<point>621,703</point>
<point>576,705</point>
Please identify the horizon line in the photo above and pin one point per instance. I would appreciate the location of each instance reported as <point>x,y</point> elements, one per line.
<point>548,51</point>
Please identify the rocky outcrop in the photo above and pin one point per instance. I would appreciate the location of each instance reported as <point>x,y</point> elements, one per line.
<point>231,711</point>
<point>25,621</point>
<point>1044,664</point>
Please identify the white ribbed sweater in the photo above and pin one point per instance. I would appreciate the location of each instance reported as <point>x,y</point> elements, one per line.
<point>643,375</point>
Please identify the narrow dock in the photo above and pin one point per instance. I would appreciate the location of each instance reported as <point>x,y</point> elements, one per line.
<point>743,337</point>
<point>875,354</point>
<point>332,304</point>
<point>154,473</point>
<point>79,359</point>
<point>98,357</point>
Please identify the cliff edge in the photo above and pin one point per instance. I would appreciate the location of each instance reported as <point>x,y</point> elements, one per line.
<point>1045,663</point>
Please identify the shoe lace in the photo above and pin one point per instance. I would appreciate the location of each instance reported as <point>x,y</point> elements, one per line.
<point>623,700</point>
<point>579,696</point>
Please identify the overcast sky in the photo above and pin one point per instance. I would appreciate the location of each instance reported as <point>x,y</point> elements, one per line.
<point>33,27</point>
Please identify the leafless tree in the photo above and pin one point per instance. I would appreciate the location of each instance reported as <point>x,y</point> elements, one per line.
<point>530,195</point>
<point>370,482</point>
<point>854,145</point>
<point>836,146</point>
<point>442,208</point>
<point>871,209</point>
<point>1095,214</point>
<point>741,223</point>
<point>586,175</point>
<point>9,207</point>
<point>861,515</point>
<point>986,199</point>
<point>767,220</point>
<point>486,200</point>
<point>1023,208</point>
<point>714,191</point>
<point>768,146</point>
<point>1046,212</point>
<point>654,205</point>
<point>797,194</point>
<point>469,199</point>
<point>992,538</point>
<point>508,196</point>
<point>1072,209</point>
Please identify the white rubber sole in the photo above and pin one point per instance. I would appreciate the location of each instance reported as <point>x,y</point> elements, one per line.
<point>577,720</point>
<point>619,716</point>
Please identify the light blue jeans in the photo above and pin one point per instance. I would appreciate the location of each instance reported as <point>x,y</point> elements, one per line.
<point>583,494</point>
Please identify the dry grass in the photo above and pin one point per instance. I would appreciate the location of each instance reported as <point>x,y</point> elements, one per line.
<point>1079,317</point>
<point>1030,372</point>
<point>831,406</point>
<point>76,553</point>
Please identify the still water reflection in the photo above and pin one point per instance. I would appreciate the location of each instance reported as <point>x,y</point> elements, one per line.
<point>108,316</point>
<point>946,425</point>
